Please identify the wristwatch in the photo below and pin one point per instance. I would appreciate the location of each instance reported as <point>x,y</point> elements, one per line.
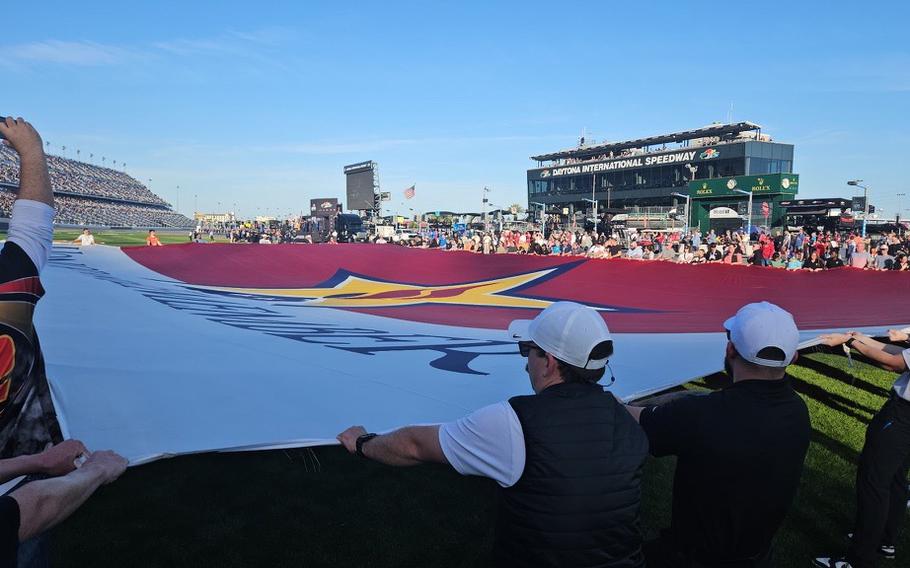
<point>849,342</point>
<point>361,440</point>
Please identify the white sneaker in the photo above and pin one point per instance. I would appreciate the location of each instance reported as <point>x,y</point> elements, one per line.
<point>888,551</point>
<point>831,563</point>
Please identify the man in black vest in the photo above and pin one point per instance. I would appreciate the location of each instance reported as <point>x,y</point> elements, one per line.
<point>740,450</point>
<point>568,458</point>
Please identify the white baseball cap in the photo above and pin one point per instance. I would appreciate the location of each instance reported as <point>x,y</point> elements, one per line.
<point>761,325</point>
<point>567,331</point>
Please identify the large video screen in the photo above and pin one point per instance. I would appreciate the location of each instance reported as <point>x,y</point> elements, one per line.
<point>360,190</point>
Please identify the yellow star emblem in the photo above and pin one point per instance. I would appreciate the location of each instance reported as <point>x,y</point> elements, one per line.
<point>359,292</point>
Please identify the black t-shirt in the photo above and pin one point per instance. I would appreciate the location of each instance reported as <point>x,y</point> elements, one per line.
<point>814,264</point>
<point>715,255</point>
<point>740,457</point>
<point>834,262</point>
<point>9,531</point>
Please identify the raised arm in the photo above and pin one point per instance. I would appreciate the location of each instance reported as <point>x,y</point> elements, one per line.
<point>34,179</point>
<point>31,224</point>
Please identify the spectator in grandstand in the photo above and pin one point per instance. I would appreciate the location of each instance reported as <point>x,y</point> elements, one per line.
<point>85,239</point>
<point>568,459</point>
<point>33,508</point>
<point>881,479</point>
<point>597,251</point>
<point>814,262</point>
<point>686,256</point>
<point>860,258</point>
<point>714,255</point>
<point>883,260</point>
<point>699,257</point>
<point>740,450</point>
<point>732,255</point>
<point>901,262</point>
<point>152,240</point>
<point>635,251</point>
<point>767,249</point>
<point>796,261</point>
<point>778,261</point>
<point>833,259</point>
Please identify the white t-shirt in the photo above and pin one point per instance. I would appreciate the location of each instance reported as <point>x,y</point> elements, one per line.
<point>902,384</point>
<point>86,240</point>
<point>488,442</point>
<point>31,227</point>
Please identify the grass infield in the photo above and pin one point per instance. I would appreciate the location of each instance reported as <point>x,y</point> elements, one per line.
<point>130,238</point>
<point>126,238</point>
<point>323,507</point>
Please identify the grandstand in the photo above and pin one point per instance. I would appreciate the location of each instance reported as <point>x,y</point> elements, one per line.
<point>647,172</point>
<point>86,194</point>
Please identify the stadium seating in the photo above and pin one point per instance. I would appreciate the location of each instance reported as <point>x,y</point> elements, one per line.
<point>86,194</point>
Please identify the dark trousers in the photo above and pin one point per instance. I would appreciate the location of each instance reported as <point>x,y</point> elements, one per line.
<point>881,483</point>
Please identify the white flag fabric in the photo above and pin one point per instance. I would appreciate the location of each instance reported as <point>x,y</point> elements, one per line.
<point>161,351</point>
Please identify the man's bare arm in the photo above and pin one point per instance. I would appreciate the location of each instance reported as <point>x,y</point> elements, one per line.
<point>411,445</point>
<point>888,356</point>
<point>44,503</point>
<point>58,460</point>
<point>34,179</point>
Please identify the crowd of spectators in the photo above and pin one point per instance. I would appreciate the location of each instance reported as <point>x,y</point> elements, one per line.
<point>72,210</point>
<point>788,250</point>
<point>71,176</point>
<point>86,194</point>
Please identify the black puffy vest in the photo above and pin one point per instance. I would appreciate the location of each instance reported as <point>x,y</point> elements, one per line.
<point>577,501</point>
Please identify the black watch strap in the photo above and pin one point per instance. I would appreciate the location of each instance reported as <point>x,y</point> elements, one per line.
<point>849,342</point>
<point>361,440</point>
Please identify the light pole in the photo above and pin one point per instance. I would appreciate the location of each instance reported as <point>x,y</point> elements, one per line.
<point>858,183</point>
<point>486,202</point>
<point>898,214</point>
<point>748,213</point>
<point>686,197</point>
<point>594,202</point>
<point>543,216</point>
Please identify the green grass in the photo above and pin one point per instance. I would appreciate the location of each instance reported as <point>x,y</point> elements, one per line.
<point>126,238</point>
<point>130,238</point>
<point>323,507</point>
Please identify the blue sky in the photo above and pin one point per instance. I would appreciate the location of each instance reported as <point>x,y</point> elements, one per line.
<point>261,104</point>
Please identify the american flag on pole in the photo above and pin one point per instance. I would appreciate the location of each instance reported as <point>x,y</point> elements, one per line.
<point>410,192</point>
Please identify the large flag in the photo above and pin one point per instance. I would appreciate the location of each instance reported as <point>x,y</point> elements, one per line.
<point>157,351</point>
<point>410,192</point>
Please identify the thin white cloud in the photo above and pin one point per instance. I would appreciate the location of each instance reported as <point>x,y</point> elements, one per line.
<point>352,147</point>
<point>78,53</point>
<point>83,53</point>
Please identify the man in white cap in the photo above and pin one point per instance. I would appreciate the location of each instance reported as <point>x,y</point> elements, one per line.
<point>568,458</point>
<point>740,450</point>
<point>881,476</point>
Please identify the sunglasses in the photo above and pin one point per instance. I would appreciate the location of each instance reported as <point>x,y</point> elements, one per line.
<point>524,347</point>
